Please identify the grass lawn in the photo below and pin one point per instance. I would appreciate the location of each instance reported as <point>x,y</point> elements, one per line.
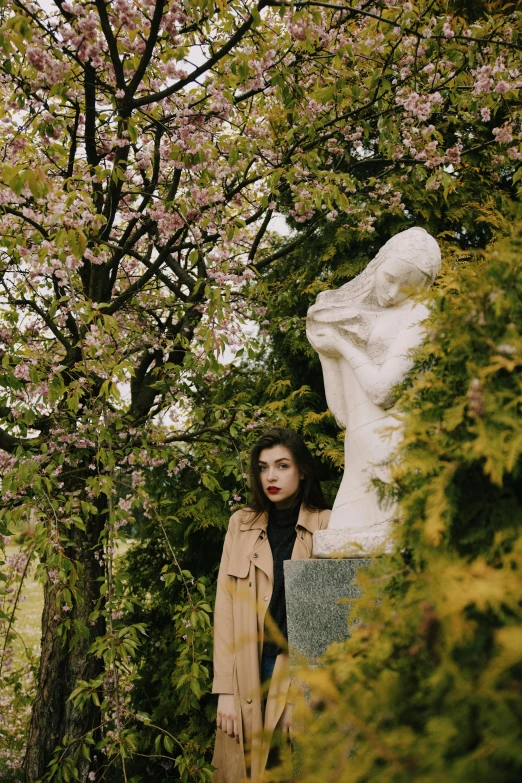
<point>29,614</point>
<point>15,702</point>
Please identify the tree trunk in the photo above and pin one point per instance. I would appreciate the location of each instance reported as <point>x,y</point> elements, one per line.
<point>53,715</point>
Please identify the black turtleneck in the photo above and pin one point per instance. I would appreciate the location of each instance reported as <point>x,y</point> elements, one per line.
<point>281,537</point>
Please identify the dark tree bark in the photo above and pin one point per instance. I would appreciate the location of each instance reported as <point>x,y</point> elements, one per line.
<point>62,664</point>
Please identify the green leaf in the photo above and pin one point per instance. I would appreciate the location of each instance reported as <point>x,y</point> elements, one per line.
<point>133,132</point>
<point>77,242</point>
<point>325,94</point>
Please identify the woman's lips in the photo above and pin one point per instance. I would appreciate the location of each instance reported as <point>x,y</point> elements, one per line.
<point>273,490</point>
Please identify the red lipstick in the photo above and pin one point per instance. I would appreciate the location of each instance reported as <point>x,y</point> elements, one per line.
<point>273,490</point>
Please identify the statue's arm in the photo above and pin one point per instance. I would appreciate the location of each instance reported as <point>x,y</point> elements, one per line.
<point>378,380</point>
<point>333,386</point>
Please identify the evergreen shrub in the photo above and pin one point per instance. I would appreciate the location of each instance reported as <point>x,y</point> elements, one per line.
<point>429,686</point>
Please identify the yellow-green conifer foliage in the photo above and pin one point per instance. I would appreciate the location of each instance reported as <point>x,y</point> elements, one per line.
<point>429,687</point>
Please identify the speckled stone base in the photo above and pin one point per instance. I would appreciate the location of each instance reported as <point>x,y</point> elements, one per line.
<point>348,544</point>
<point>315,616</point>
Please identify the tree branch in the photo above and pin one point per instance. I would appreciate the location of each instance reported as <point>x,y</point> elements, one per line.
<point>283,251</point>
<point>191,436</point>
<point>111,43</point>
<point>225,49</point>
<point>10,444</point>
<point>47,321</point>
<point>33,223</point>
<point>149,48</point>
<point>74,141</point>
<point>138,284</point>
<point>260,234</point>
<point>180,273</point>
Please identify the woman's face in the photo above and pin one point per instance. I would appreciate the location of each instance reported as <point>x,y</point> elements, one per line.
<point>392,277</point>
<point>279,475</point>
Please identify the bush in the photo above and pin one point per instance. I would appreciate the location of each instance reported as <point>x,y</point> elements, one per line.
<point>429,685</point>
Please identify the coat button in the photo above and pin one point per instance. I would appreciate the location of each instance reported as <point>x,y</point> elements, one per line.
<point>255,554</point>
<point>266,598</point>
<point>249,700</point>
<point>250,584</point>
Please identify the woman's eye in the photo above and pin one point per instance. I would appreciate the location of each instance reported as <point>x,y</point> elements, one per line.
<point>262,468</point>
<point>283,466</point>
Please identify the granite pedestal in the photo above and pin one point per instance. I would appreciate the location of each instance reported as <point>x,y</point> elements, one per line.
<point>316,617</point>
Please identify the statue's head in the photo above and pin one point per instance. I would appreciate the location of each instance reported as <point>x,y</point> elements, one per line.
<point>409,260</point>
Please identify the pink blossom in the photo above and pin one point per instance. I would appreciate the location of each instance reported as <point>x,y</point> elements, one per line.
<point>501,87</point>
<point>419,105</point>
<point>453,155</point>
<point>21,371</point>
<point>298,30</point>
<point>484,82</point>
<point>504,134</point>
<point>485,113</point>
<point>137,478</point>
<point>514,154</point>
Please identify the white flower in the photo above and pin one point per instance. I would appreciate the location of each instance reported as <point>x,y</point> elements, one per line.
<point>506,348</point>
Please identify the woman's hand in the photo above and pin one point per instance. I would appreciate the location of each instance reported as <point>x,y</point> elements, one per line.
<point>286,720</point>
<point>226,715</point>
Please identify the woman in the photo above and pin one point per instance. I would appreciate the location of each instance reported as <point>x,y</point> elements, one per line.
<point>250,615</point>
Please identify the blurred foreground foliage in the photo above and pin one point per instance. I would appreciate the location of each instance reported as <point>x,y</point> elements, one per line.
<point>429,685</point>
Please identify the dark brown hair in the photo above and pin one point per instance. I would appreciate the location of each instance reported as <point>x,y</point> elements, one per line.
<point>310,492</point>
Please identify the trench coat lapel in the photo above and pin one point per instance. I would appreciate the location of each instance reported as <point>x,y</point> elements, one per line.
<point>307,521</point>
<point>252,546</point>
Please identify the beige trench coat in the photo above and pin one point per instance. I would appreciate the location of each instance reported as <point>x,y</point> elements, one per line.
<point>244,590</point>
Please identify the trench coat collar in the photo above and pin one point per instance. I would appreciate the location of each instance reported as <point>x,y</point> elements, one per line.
<point>307,519</point>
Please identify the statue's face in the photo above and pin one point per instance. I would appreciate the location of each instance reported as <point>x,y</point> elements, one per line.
<point>392,279</point>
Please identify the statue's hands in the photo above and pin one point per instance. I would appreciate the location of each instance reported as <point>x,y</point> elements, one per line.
<point>324,340</point>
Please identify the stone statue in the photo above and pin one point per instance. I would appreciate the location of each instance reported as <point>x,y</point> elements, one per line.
<point>364,333</point>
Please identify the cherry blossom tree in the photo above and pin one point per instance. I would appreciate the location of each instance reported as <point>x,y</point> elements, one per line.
<point>145,150</point>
